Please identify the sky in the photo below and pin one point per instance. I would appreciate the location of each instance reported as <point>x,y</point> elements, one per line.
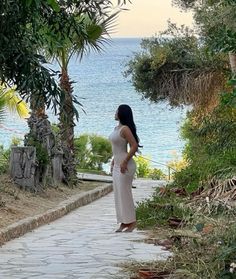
<point>145,18</point>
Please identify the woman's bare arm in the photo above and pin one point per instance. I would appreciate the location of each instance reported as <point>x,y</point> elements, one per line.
<point>127,134</point>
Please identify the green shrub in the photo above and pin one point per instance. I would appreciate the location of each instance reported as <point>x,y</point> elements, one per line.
<point>143,168</point>
<point>157,174</point>
<point>82,151</point>
<point>41,152</point>
<point>5,155</point>
<point>92,151</point>
<point>4,159</point>
<point>158,209</point>
<point>101,151</point>
<point>211,145</point>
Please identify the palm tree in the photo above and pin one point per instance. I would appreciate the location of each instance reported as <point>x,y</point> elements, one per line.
<point>10,100</point>
<point>91,36</point>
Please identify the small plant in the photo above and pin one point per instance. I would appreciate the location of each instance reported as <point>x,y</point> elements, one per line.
<point>157,174</point>
<point>5,155</point>
<point>4,159</point>
<point>92,151</point>
<point>143,168</point>
<point>101,151</point>
<point>41,152</point>
<point>159,208</point>
<point>177,163</point>
<point>16,141</point>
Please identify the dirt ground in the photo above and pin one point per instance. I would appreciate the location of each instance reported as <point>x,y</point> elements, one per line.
<point>17,204</point>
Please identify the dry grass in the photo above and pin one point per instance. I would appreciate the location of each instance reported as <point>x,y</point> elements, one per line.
<point>193,257</point>
<point>203,249</point>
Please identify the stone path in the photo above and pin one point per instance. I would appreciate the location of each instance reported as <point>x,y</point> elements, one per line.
<point>81,245</point>
<point>94,177</point>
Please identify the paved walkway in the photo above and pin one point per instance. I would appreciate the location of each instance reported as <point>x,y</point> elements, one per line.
<point>81,245</point>
<point>94,177</point>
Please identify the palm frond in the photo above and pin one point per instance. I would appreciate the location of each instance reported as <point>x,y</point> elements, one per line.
<point>2,109</point>
<point>9,99</point>
<point>97,33</point>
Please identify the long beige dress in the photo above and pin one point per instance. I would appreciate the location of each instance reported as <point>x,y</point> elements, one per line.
<point>122,182</point>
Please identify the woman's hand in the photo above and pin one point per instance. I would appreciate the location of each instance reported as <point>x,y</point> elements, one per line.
<point>123,167</point>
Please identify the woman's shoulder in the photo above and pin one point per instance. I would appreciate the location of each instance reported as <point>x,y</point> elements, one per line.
<point>125,127</point>
<point>124,130</point>
<point>121,127</point>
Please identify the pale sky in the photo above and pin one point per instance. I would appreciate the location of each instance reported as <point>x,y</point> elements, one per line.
<point>146,18</point>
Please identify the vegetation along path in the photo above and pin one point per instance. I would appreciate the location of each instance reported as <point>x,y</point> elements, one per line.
<point>80,245</point>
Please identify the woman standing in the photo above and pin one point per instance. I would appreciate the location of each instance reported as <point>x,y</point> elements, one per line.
<point>123,167</point>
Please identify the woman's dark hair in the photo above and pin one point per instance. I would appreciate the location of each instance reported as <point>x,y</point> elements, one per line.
<point>125,116</point>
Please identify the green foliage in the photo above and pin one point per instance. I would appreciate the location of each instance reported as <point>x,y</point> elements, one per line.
<point>92,151</point>
<point>5,155</point>
<point>82,151</point>
<point>215,22</point>
<point>211,144</point>
<point>207,248</point>
<point>41,152</point>
<point>144,169</point>
<point>227,252</point>
<point>177,67</point>
<point>158,209</point>
<point>4,159</point>
<point>157,174</point>
<point>16,141</point>
<point>29,24</point>
<point>188,178</point>
<point>101,150</point>
<point>9,99</point>
<point>55,129</point>
<point>19,43</point>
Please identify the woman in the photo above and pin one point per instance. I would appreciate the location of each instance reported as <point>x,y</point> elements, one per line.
<point>123,167</point>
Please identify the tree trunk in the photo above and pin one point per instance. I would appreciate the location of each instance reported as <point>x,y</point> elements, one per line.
<point>67,129</point>
<point>48,152</point>
<point>232,60</point>
<point>23,166</point>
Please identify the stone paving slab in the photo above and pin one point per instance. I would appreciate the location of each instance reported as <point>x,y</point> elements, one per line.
<point>94,177</point>
<point>81,245</point>
<point>25,225</point>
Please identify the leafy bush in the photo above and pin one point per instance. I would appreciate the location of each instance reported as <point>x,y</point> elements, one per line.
<point>211,144</point>
<point>101,151</point>
<point>82,151</point>
<point>177,163</point>
<point>92,151</point>
<point>157,174</point>
<point>175,67</point>
<point>158,209</point>
<point>5,155</point>
<point>41,152</point>
<point>4,159</point>
<point>144,169</point>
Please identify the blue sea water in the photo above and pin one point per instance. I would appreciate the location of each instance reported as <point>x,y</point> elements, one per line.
<point>100,86</point>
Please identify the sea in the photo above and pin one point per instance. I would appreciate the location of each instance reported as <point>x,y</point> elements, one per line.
<point>101,87</point>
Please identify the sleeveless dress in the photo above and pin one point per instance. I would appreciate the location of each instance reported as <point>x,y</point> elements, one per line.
<point>122,182</point>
